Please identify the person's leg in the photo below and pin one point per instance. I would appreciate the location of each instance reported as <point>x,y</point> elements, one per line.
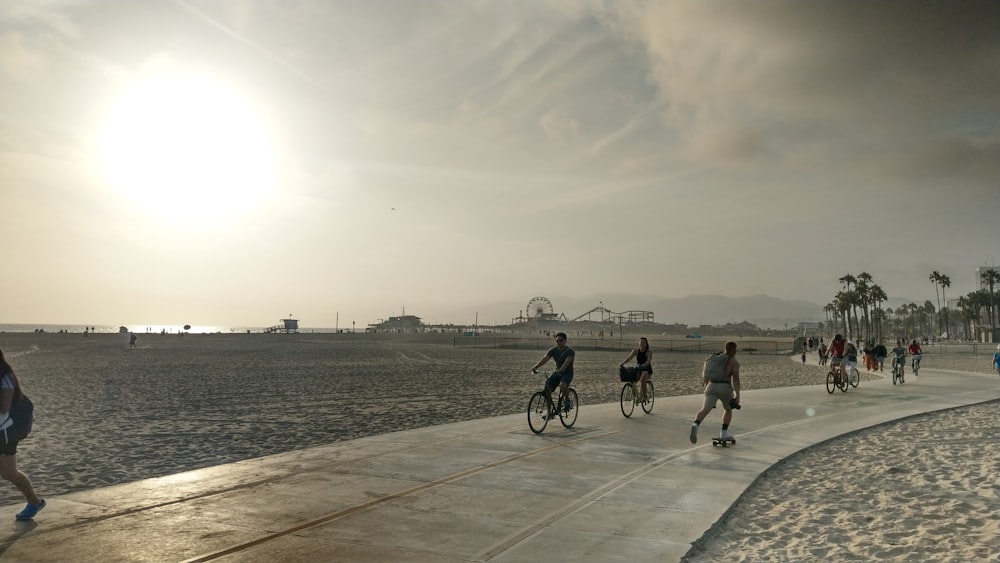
<point>9,472</point>
<point>706,407</point>
<point>564,393</point>
<point>727,417</point>
<point>642,384</point>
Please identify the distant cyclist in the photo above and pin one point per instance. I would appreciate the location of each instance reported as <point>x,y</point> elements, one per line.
<point>899,357</point>
<point>916,353</point>
<point>996,359</point>
<point>836,354</point>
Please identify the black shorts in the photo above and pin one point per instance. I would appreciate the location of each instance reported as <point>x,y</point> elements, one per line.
<point>8,445</point>
<point>556,378</point>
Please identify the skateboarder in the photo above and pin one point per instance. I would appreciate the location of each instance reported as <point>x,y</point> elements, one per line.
<point>720,385</point>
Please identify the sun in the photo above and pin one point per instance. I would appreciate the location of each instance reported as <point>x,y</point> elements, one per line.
<point>187,148</point>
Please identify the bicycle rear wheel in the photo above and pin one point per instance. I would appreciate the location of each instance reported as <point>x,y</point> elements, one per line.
<point>539,412</point>
<point>647,407</point>
<point>831,383</point>
<point>568,418</point>
<point>628,399</point>
<point>855,378</point>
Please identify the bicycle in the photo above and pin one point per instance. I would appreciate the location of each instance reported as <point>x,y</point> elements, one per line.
<point>541,409</point>
<point>836,379</point>
<point>630,398</point>
<point>897,372</point>
<point>916,363</point>
<point>854,377</point>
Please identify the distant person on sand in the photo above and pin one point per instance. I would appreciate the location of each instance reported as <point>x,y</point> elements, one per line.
<point>563,356</point>
<point>10,389</point>
<point>726,389</point>
<point>643,363</point>
<point>131,339</point>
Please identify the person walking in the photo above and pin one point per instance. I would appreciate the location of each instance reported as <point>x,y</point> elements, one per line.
<point>996,359</point>
<point>10,390</point>
<point>725,387</point>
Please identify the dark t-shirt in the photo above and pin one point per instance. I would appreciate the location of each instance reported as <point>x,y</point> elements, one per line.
<point>880,351</point>
<point>560,356</point>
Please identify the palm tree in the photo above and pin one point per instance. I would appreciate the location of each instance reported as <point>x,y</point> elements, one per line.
<point>935,277</point>
<point>846,280</point>
<point>878,296</point>
<point>990,277</point>
<point>864,298</point>
<point>944,281</point>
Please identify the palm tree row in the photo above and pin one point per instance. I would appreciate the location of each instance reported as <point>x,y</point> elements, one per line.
<point>866,295</point>
<point>856,310</point>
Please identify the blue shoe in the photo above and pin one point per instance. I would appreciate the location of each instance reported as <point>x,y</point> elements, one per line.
<point>30,510</point>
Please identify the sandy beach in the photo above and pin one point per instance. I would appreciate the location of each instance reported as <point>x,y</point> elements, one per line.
<point>107,414</point>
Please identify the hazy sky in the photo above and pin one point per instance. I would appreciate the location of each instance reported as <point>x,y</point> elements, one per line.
<point>230,162</point>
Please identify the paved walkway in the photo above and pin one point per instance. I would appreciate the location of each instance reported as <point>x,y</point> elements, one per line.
<point>609,489</point>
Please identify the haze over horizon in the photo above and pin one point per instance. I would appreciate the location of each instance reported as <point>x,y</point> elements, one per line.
<point>226,163</point>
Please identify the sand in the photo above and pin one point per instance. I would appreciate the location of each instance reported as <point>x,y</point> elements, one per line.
<point>108,414</point>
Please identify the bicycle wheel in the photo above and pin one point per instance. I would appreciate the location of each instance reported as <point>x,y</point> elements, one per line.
<point>628,399</point>
<point>895,375</point>
<point>844,384</point>
<point>539,411</point>
<point>855,378</point>
<point>831,383</point>
<point>568,419</point>
<point>647,407</point>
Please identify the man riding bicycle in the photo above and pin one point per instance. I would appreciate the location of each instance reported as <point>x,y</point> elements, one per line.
<point>563,375</point>
<point>836,353</point>
<point>899,358</point>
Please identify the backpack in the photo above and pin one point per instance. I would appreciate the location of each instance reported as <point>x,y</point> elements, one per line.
<point>715,367</point>
<point>21,413</point>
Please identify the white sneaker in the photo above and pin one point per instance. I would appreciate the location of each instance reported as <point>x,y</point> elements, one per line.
<point>694,434</point>
<point>725,435</point>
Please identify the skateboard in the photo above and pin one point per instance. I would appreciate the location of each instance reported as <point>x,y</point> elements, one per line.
<point>724,443</point>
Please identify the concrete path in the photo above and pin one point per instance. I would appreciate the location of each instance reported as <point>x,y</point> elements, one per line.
<point>609,489</point>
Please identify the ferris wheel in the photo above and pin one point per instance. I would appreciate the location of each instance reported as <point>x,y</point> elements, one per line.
<point>539,307</point>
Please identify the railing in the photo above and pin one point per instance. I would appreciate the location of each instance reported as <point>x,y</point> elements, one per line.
<point>696,345</point>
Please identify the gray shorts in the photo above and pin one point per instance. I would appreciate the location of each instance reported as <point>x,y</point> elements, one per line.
<point>716,392</point>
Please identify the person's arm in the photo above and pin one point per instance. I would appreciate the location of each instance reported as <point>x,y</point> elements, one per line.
<point>736,379</point>
<point>630,356</point>
<point>541,362</point>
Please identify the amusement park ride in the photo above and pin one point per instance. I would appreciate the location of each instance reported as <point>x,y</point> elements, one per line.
<point>540,310</point>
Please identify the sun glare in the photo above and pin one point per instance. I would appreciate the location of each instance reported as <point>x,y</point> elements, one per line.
<point>188,149</point>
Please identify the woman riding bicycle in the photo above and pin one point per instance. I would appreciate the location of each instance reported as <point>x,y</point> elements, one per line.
<point>644,367</point>
<point>916,353</point>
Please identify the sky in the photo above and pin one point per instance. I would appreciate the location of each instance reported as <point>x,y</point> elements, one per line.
<point>233,162</point>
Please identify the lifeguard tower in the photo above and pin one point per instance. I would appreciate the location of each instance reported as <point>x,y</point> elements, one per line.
<point>287,326</point>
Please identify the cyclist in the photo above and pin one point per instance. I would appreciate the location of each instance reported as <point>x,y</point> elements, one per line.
<point>836,354</point>
<point>916,353</point>
<point>899,358</point>
<point>850,359</point>
<point>996,359</point>
<point>643,360</point>
<point>563,375</point>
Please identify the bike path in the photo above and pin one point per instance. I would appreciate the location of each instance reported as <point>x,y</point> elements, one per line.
<point>609,489</point>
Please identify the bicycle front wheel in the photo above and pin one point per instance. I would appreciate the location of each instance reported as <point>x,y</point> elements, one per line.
<point>539,412</point>
<point>855,378</point>
<point>831,382</point>
<point>647,406</point>
<point>628,399</point>
<point>568,418</point>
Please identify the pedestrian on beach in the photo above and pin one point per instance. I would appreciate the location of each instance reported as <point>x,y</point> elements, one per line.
<point>131,339</point>
<point>725,388</point>
<point>803,355</point>
<point>643,364</point>
<point>10,390</point>
<point>563,375</point>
